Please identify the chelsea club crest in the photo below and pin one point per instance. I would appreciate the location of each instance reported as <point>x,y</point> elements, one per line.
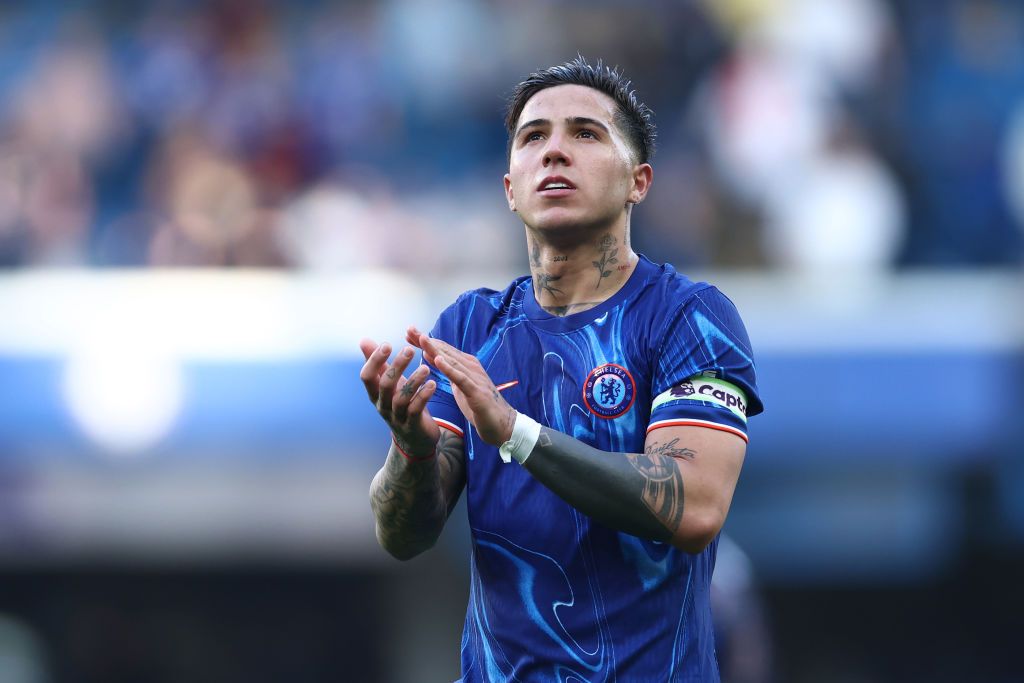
<point>609,390</point>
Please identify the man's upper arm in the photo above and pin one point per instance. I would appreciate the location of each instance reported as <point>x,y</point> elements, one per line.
<point>703,390</point>
<point>701,424</point>
<point>691,473</point>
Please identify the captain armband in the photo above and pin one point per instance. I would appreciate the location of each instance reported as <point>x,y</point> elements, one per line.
<point>701,389</point>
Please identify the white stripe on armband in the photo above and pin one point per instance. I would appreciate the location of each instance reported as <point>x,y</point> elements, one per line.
<point>707,390</point>
<point>525,433</point>
<point>450,426</point>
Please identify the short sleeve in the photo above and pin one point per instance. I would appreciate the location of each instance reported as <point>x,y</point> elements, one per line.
<point>442,405</point>
<point>705,368</point>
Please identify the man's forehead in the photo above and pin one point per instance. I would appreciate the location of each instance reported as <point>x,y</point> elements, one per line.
<point>569,100</point>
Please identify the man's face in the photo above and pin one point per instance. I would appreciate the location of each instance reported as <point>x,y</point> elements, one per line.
<point>570,166</point>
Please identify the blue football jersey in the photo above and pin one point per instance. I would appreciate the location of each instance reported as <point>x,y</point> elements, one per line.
<point>555,595</point>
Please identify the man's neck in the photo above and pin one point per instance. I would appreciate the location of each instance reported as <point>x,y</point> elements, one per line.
<point>570,279</point>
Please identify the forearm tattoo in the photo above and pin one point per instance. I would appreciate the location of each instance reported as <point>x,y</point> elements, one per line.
<point>451,461</point>
<point>641,494</point>
<point>663,482</point>
<point>412,500</point>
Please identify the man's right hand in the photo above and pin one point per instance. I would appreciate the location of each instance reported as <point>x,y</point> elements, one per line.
<point>400,401</point>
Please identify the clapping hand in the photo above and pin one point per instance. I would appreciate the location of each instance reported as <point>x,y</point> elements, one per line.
<point>400,401</point>
<point>474,391</point>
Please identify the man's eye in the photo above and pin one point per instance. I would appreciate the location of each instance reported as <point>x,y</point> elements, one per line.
<point>587,134</point>
<point>530,137</point>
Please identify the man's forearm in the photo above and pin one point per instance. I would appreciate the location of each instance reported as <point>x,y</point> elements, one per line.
<point>409,502</point>
<point>641,494</point>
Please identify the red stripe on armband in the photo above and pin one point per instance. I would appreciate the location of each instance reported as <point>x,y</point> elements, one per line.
<point>697,423</point>
<point>451,427</point>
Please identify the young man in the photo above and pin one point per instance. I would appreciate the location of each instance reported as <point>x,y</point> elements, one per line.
<point>595,412</point>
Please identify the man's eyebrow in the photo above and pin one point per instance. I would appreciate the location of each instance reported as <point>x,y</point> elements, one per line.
<point>585,121</point>
<point>571,120</point>
<point>531,124</point>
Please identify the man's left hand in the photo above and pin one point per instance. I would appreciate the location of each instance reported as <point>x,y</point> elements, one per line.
<point>474,391</point>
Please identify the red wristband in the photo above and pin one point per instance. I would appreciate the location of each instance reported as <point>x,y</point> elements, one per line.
<point>412,458</point>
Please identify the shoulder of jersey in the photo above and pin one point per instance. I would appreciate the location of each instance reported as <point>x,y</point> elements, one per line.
<point>493,300</point>
<point>476,311</point>
<point>675,286</point>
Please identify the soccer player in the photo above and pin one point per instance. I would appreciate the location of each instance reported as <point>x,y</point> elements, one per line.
<point>595,412</point>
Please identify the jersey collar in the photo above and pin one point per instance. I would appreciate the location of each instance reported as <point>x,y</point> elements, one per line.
<point>645,269</point>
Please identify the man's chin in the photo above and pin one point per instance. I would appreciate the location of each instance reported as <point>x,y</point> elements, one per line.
<point>566,224</point>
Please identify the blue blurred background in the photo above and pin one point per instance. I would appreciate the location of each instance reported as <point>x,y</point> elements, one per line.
<point>203,207</point>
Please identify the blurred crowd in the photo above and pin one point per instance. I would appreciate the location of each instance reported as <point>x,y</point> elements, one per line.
<point>793,134</point>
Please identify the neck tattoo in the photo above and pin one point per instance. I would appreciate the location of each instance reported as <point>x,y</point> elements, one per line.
<point>608,249</point>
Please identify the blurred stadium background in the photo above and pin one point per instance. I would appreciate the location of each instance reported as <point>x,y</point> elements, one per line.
<point>203,206</point>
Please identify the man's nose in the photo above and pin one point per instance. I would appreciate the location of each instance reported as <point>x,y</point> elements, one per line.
<point>555,151</point>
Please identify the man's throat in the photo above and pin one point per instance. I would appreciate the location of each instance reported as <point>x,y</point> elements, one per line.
<point>568,283</point>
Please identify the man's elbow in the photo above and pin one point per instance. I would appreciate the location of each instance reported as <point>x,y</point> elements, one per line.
<point>697,532</point>
<point>402,549</point>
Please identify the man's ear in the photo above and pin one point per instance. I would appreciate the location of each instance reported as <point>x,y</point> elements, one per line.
<point>643,176</point>
<point>508,193</point>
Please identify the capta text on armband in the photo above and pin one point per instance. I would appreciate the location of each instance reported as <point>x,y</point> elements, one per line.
<point>702,388</point>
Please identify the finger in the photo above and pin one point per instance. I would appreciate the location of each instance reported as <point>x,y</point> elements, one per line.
<point>454,371</point>
<point>423,340</point>
<point>432,348</point>
<point>429,356</point>
<point>392,379</point>
<point>400,405</point>
<point>413,336</point>
<point>463,362</point>
<point>372,370</point>
<point>402,360</point>
<point>438,345</point>
<point>367,346</point>
<point>420,398</point>
<point>453,353</point>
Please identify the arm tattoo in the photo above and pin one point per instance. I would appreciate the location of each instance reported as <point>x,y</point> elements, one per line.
<point>671,449</point>
<point>453,470</point>
<point>608,258</point>
<point>641,494</point>
<point>663,483</point>
<point>410,500</point>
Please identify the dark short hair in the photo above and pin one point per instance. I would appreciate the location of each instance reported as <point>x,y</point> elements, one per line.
<point>633,117</point>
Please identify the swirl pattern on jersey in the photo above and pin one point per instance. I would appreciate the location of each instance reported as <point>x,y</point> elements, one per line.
<point>555,595</point>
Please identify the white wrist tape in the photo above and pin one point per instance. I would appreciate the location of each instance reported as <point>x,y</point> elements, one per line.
<point>525,433</point>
